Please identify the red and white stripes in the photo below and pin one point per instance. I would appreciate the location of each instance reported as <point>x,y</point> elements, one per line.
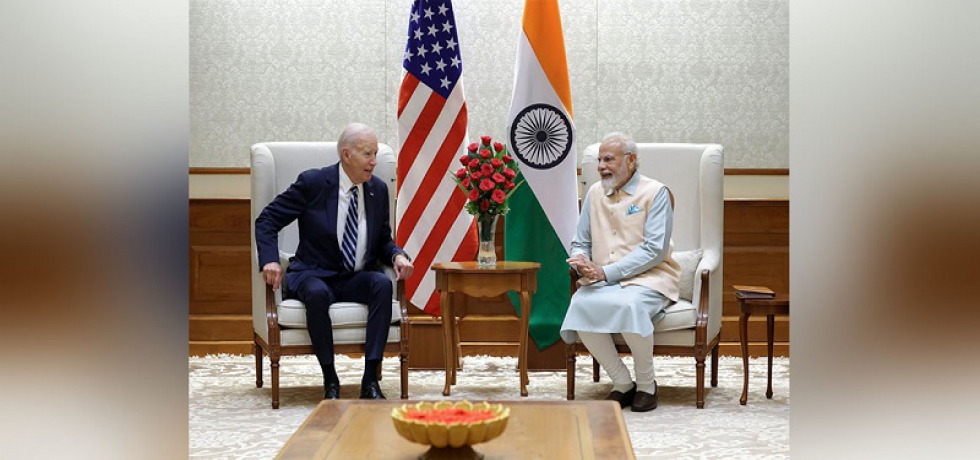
<point>432,225</point>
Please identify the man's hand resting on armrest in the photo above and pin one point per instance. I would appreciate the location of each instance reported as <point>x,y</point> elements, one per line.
<point>403,267</point>
<point>272,274</point>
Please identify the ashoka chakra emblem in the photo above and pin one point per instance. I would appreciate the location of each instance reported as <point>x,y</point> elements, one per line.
<point>541,136</point>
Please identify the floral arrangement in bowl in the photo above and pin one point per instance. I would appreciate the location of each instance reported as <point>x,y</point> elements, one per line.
<point>448,424</point>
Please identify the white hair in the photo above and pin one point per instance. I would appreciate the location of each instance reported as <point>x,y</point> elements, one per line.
<point>624,140</point>
<point>353,131</point>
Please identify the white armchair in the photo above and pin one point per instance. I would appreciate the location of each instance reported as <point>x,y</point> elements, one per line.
<point>692,326</point>
<point>280,325</point>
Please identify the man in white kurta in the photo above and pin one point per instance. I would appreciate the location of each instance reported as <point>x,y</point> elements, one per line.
<point>622,250</point>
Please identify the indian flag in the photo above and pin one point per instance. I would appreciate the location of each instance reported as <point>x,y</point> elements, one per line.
<point>541,135</point>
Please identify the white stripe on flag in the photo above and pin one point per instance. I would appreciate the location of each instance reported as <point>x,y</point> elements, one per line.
<point>455,236</point>
<point>433,209</point>
<point>433,141</point>
<point>410,114</point>
<point>430,217</point>
<point>532,86</point>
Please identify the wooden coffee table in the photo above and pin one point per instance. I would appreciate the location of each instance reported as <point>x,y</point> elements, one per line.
<point>363,430</point>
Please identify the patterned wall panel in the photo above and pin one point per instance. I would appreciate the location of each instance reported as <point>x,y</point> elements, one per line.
<point>678,71</point>
<point>698,71</point>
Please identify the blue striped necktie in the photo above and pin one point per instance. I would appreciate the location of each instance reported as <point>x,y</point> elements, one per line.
<point>350,231</point>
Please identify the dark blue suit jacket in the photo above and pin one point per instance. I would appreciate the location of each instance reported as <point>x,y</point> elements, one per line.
<point>313,200</point>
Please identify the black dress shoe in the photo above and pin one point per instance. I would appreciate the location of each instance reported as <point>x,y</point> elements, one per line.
<point>644,401</point>
<point>331,391</point>
<point>624,399</point>
<point>371,390</point>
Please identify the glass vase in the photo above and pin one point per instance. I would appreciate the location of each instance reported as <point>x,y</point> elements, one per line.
<point>486,227</point>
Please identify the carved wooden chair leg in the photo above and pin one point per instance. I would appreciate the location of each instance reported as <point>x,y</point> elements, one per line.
<point>459,348</point>
<point>714,367</point>
<point>700,381</point>
<point>595,370</point>
<point>275,381</point>
<point>258,365</point>
<point>403,360</point>
<point>570,372</point>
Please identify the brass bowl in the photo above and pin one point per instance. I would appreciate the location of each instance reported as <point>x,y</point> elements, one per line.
<point>456,434</point>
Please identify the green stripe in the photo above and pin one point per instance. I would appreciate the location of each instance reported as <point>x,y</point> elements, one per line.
<point>530,236</point>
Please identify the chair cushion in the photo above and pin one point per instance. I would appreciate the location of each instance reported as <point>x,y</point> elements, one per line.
<point>681,338</point>
<point>676,327</point>
<point>343,315</point>
<point>688,260</point>
<point>340,336</point>
<point>680,315</point>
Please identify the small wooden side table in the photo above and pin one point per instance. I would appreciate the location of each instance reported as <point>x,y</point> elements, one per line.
<point>754,306</point>
<point>468,278</point>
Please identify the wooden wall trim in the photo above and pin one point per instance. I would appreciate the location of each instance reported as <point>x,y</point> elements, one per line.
<point>203,170</point>
<point>756,201</point>
<point>206,201</point>
<point>756,171</point>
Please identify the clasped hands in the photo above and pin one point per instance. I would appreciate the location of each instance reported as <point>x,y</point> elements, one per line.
<point>587,268</point>
<point>272,272</point>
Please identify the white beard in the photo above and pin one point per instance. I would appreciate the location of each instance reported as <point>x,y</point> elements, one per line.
<point>608,182</point>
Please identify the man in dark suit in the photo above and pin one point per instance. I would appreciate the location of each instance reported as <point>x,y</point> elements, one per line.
<point>344,238</point>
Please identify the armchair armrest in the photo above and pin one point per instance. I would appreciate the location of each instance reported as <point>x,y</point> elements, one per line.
<point>707,301</point>
<point>399,292</point>
<point>701,322</point>
<point>709,262</point>
<point>398,289</point>
<point>403,325</point>
<point>272,318</point>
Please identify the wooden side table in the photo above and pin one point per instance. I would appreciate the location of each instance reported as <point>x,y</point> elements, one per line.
<point>470,279</point>
<point>752,306</point>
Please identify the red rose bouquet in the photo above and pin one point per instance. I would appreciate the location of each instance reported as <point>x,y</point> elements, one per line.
<point>487,179</point>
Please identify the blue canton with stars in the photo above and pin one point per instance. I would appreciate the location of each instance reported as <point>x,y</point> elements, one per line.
<point>432,52</point>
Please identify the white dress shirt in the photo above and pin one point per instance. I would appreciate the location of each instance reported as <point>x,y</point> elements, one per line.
<point>343,203</point>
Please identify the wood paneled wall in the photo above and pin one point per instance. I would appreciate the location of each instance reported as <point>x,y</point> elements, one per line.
<point>220,295</point>
<point>756,252</point>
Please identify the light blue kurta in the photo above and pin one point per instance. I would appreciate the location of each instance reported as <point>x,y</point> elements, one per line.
<point>608,306</point>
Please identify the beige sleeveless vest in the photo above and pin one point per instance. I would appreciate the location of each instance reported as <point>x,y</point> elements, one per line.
<point>616,232</point>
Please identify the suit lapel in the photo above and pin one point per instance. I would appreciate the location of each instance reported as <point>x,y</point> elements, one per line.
<point>331,195</point>
<point>369,210</point>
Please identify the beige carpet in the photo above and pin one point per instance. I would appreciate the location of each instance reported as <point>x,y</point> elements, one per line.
<point>230,418</point>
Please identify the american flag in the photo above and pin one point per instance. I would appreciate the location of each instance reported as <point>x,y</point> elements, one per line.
<point>432,225</point>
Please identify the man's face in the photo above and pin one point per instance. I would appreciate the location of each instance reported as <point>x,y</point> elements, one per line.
<point>614,166</point>
<point>360,157</point>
